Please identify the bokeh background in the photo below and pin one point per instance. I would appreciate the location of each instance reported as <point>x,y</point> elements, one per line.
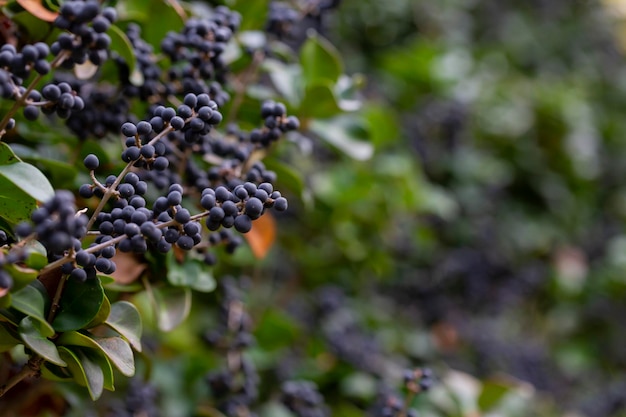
<point>464,210</point>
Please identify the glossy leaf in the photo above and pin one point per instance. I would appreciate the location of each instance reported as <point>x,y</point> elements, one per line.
<point>7,339</point>
<point>15,204</point>
<point>33,301</point>
<point>107,371</point>
<point>36,258</point>
<point>121,45</point>
<point>125,319</point>
<point>159,24</point>
<point>103,314</point>
<point>7,155</point>
<point>29,179</point>
<point>116,349</point>
<point>59,172</point>
<point>319,102</point>
<point>5,298</point>
<point>253,13</point>
<point>31,24</point>
<point>32,337</point>
<point>22,276</point>
<point>85,370</point>
<point>173,306</point>
<point>338,133</point>
<point>191,273</point>
<point>79,305</point>
<point>286,79</point>
<point>55,373</point>
<point>320,60</point>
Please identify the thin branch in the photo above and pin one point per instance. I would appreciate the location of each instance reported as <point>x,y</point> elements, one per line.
<point>30,369</point>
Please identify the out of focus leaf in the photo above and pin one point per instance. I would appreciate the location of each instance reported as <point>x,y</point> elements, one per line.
<point>37,9</point>
<point>34,339</point>
<point>85,370</point>
<point>339,133</point>
<point>125,319</point>
<point>173,306</point>
<point>262,235</point>
<point>32,300</point>
<point>79,304</point>
<point>320,60</point>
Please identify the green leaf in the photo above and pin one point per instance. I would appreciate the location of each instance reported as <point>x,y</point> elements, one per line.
<point>122,46</point>
<point>32,337</point>
<point>5,301</point>
<point>320,60</point>
<point>253,13</point>
<point>85,370</point>
<point>191,273</point>
<point>7,339</point>
<point>492,393</point>
<point>173,306</point>
<point>55,373</point>
<point>21,276</point>
<point>79,305</point>
<point>286,79</point>
<point>107,371</point>
<point>34,27</point>
<point>29,179</point>
<point>103,314</point>
<point>11,316</point>
<point>7,155</point>
<point>159,24</point>
<point>319,102</point>
<point>125,319</point>
<point>276,330</point>
<point>33,301</point>
<point>116,349</point>
<point>382,125</point>
<point>287,176</point>
<point>58,171</point>
<point>15,204</point>
<point>340,132</point>
<point>252,39</point>
<point>37,255</point>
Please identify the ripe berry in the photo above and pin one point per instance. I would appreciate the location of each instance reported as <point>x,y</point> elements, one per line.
<point>254,208</point>
<point>280,204</point>
<point>31,112</point>
<point>243,223</point>
<point>79,274</point>
<point>129,129</point>
<point>174,198</point>
<point>182,216</point>
<point>184,242</point>
<point>160,163</point>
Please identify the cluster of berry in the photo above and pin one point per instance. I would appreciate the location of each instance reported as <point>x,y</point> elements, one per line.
<point>170,149</point>
<point>287,23</point>
<point>234,388</point>
<point>86,23</point>
<point>141,400</point>
<point>303,399</point>
<point>197,52</point>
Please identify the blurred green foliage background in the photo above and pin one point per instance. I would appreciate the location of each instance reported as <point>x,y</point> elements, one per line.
<point>483,237</point>
<point>468,216</point>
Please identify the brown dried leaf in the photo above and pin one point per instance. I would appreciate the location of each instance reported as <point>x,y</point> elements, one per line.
<point>262,235</point>
<point>129,268</point>
<point>37,9</point>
